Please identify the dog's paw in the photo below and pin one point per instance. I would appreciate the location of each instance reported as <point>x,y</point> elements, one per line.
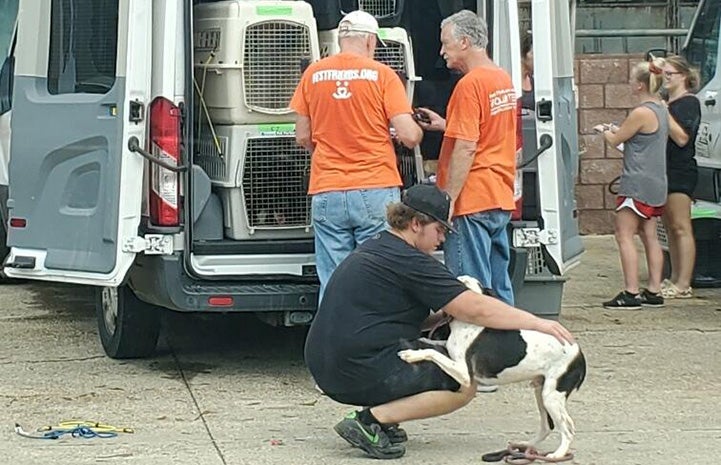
<point>411,356</point>
<point>559,455</point>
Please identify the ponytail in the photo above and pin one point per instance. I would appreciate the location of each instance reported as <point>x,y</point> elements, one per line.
<point>650,74</point>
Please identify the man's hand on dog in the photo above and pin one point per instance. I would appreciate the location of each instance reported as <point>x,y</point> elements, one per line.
<point>555,329</point>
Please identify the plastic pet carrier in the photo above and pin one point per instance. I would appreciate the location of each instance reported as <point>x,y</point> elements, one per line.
<point>410,165</point>
<point>397,54</point>
<point>328,13</point>
<point>249,56</point>
<point>262,175</point>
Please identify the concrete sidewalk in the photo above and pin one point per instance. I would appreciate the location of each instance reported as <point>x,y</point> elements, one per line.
<point>227,390</point>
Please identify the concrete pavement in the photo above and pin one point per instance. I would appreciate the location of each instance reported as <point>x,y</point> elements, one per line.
<point>227,390</point>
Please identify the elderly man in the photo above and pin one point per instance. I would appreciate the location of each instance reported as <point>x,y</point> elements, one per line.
<point>344,105</point>
<point>477,163</point>
<point>377,303</point>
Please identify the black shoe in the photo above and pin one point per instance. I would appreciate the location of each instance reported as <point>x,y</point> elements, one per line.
<point>624,301</point>
<point>651,299</point>
<point>395,433</point>
<point>370,438</point>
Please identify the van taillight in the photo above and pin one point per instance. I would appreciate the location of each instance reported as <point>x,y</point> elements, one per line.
<point>165,137</point>
<point>517,214</point>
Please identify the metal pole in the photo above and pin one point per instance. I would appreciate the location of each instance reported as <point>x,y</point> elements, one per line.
<point>630,32</point>
<point>672,22</point>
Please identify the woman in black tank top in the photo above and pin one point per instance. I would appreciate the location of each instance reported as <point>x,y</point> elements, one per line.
<point>684,118</point>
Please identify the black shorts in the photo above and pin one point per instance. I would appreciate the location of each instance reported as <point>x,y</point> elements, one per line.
<point>406,379</point>
<point>682,181</point>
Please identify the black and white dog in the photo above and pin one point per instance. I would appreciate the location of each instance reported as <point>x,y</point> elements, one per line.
<point>502,357</point>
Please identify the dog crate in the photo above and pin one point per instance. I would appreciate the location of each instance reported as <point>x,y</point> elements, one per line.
<point>249,57</point>
<point>397,54</point>
<point>661,234</point>
<point>262,179</point>
<point>707,265</point>
<point>328,13</point>
<point>410,165</point>
<point>535,288</point>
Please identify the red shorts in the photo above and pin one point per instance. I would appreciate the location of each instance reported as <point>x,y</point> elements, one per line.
<point>641,209</point>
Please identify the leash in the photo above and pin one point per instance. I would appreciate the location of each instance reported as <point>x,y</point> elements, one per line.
<point>75,429</point>
<point>522,456</point>
<point>446,319</point>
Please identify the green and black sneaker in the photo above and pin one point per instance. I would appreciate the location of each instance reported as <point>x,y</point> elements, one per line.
<point>370,438</point>
<point>395,433</point>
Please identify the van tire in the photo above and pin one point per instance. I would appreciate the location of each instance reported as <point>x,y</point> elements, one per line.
<point>127,326</point>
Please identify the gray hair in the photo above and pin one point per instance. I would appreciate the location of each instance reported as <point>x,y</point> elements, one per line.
<point>468,24</point>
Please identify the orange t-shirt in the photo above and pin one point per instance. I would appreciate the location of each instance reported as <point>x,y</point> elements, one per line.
<point>482,109</point>
<point>350,100</point>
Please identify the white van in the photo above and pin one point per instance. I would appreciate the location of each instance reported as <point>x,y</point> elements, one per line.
<point>701,49</point>
<point>114,182</point>
<point>8,15</point>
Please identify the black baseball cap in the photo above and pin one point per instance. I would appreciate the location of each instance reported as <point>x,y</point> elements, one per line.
<point>429,199</point>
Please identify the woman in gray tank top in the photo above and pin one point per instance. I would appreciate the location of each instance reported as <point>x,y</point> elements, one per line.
<point>642,192</point>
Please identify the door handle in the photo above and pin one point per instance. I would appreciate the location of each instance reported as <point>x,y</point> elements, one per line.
<point>546,143</point>
<point>710,102</point>
<point>134,146</point>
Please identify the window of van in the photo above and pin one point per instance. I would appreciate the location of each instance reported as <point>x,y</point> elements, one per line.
<point>702,48</point>
<point>8,12</point>
<point>83,46</point>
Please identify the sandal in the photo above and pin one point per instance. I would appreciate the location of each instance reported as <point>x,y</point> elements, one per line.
<point>665,284</point>
<point>673,292</point>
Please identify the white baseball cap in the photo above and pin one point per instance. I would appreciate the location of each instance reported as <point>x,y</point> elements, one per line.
<point>360,21</point>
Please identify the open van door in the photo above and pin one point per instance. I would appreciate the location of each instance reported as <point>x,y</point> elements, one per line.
<point>556,129</point>
<point>702,50</point>
<point>82,81</point>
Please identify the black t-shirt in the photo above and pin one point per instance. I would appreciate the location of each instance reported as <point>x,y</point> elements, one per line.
<point>378,296</point>
<point>687,113</point>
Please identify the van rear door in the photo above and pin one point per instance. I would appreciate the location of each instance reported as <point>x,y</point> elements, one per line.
<point>556,124</point>
<point>702,50</point>
<point>82,81</point>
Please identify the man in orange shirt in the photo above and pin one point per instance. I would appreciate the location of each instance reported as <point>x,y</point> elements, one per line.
<point>344,105</point>
<point>477,163</point>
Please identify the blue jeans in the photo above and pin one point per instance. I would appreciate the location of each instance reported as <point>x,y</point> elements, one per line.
<point>343,220</point>
<point>480,249</point>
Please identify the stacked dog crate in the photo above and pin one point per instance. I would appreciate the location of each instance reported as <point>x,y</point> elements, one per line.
<point>248,58</point>
<point>397,53</point>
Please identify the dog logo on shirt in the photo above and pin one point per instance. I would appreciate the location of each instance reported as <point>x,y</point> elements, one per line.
<point>342,92</point>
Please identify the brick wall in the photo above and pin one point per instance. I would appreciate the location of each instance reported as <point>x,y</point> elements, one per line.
<point>603,97</point>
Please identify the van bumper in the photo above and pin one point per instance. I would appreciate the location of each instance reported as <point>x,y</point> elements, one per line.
<point>162,280</point>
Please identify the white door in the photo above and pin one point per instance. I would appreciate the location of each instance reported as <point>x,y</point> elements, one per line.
<point>702,50</point>
<point>556,123</point>
<point>82,79</point>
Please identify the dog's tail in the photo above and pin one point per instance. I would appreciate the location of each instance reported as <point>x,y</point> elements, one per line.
<point>574,376</point>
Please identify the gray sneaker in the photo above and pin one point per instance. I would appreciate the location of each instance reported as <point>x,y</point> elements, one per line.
<point>395,433</point>
<point>370,438</point>
<point>624,301</point>
<point>649,299</point>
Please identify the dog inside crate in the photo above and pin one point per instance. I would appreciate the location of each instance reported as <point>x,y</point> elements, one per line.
<point>275,183</point>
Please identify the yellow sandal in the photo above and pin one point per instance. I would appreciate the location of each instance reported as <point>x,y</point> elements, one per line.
<point>673,292</point>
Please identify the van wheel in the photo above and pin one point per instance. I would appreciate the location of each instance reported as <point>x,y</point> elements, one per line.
<point>128,327</point>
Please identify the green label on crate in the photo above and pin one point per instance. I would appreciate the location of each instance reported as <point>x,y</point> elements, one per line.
<point>274,10</point>
<point>382,33</point>
<point>701,212</point>
<point>277,129</point>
